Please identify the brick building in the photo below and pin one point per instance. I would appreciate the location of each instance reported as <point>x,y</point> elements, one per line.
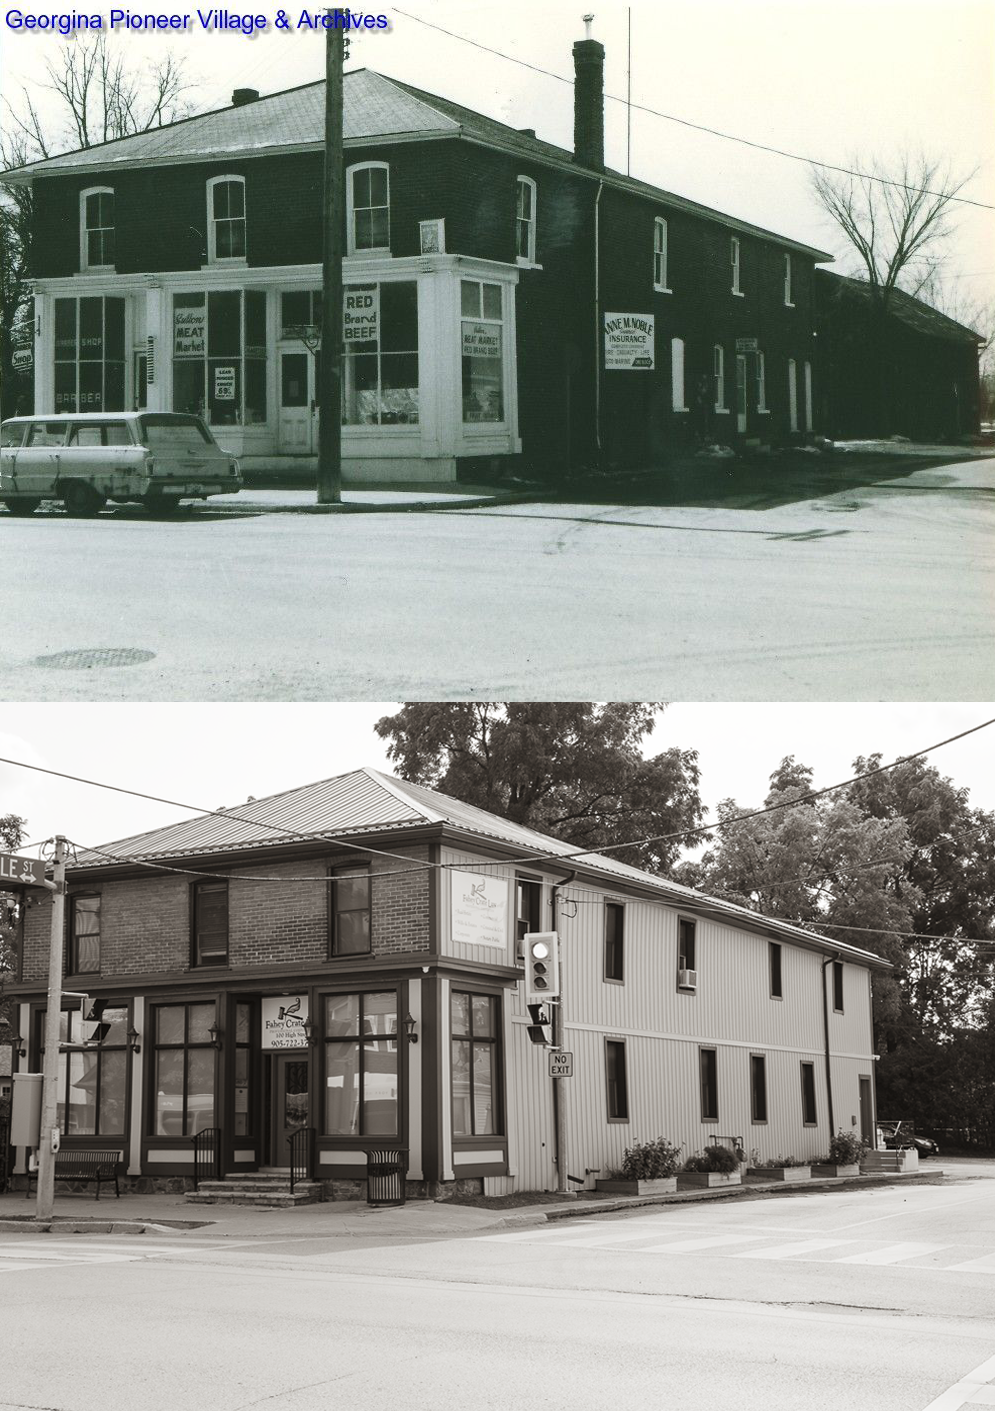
<point>504,297</point>
<point>344,961</point>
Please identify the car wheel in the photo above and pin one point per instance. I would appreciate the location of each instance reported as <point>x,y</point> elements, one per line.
<point>22,507</point>
<point>81,500</point>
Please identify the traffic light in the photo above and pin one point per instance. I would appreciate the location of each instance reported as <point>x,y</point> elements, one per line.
<point>541,1027</point>
<point>542,966</point>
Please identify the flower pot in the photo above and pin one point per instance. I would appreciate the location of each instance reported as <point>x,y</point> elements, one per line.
<point>689,1180</point>
<point>826,1168</point>
<point>658,1185</point>
<point>780,1173</point>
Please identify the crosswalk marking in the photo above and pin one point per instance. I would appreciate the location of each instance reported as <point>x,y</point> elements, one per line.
<point>26,1255</point>
<point>984,1265</point>
<point>891,1254</point>
<point>706,1242</point>
<point>789,1251</point>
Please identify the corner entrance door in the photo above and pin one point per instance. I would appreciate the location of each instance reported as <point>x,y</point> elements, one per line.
<point>290,1103</point>
<point>741,393</point>
<point>866,1112</point>
<point>298,404</point>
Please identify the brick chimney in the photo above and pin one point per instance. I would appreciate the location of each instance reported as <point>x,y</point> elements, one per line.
<point>589,101</point>
<point>242,96</point>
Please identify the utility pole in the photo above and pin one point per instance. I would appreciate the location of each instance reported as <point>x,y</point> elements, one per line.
<point>330,362</point>
<point>53,1018</point>
<point>559,1094</point>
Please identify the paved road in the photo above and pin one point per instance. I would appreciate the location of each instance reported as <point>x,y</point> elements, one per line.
<point>876,1300</point>
<point>880,592</point>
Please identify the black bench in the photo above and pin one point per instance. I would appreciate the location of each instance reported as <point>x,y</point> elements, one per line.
<point>84,1166</point>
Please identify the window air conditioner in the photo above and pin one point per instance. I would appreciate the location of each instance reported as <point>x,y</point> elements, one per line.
<point>687,979</point>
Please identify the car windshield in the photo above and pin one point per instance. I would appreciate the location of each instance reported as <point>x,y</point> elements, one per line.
<point>170,433</point>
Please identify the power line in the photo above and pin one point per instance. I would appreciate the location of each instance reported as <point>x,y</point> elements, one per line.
<point>698,127</point>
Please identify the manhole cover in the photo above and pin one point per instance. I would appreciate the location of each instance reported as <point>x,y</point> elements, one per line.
<point>95,656</point>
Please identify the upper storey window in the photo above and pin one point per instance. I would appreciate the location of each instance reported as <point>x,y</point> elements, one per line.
<point>734,261</point>
<point>525,221</point>
<point>788,290</point>
<point>368,208</point>
<point>96,232</point>
<point>661,241</point>
<point>226,219</point>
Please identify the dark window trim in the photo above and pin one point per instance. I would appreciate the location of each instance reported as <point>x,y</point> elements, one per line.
<point>36,1049</point>
<point>614,975</point>
<point>812,1121</point>
<point>482,1140</point>
<point>151,1044</point>
<point>72,951</point>
<point>534,883</point>
<point>195,962</point>
<point>707,1116</point>
<point>343,869</point>
<point>838,986</point>
<point>335,1140</point>
<point>754,1119</point>
<point>774,950</point>
<point>622,1117</point>
<point>683,921</point>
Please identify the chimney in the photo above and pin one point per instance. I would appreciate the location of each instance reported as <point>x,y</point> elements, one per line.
<point>589,101</point>
<point>242,96</point>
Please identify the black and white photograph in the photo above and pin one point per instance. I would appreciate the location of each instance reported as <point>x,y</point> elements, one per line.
<point>497,798</point>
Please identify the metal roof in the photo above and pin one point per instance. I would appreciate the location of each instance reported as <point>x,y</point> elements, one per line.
<point>366,801</point>
<point>375,108</point>
<point>913,312</point>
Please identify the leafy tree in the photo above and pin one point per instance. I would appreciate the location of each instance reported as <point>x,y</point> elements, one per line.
<point>574,770</point>
<point>99,99</point>
<point>11,837</point>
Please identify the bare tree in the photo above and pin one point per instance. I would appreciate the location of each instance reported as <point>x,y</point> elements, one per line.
<point>896,217</point>
<point>100,99</point>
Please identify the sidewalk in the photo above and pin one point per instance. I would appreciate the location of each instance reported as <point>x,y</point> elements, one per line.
<point>161,1215</point>
<point>290,500</point>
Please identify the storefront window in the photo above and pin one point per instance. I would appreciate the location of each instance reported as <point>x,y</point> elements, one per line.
<point>89,355</point>
<point>474,1040</point>
<point>92,1082</point>
<point>184,1070</point>
<point>243,1070</point>
<point>380,346</point>
<point>482,351</point>
<point>299,310</point>
<point>361,1065</point>
<point>219,356</point>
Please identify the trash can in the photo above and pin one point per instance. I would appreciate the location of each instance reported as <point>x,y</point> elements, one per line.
<point>386,1168</point>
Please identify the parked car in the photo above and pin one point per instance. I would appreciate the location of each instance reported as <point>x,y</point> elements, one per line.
<point>899,1135</point>
<point>85,459</point>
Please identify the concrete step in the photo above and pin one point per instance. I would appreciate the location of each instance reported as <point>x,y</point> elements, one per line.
<point>222,1193</point>
<point>890,1161</point>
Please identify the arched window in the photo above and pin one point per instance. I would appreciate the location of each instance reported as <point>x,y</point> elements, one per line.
<point>368,208</point>
<point>225,219</point>
<point>525,221</point>
<point>96,228</point>
<point>660,253</point>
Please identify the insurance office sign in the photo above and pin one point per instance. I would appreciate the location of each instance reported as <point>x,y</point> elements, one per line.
<point>630,342</point>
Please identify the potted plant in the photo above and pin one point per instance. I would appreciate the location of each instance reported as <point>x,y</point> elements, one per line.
<point>717,1165</point>
<point>780,1168</point>
<point>845,1153</point>
<point>648,1168</point>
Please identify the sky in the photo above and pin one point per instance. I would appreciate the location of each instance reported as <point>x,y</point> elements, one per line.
<point>211,755</point>
<point>839,82</point>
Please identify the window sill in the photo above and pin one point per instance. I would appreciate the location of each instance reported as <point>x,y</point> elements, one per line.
<point>788,304</point>
<point>680,411</point>
<point>661,289</point>
<point>738,294</point>
<point>383,251</point>
<point>522,263</point>
<point>763,411</point>
<point>611,980</point>
<point>235,262</point>
<point>722,411</point>
<point>99,269</point>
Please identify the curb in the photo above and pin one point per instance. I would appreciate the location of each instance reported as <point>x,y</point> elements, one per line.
<point>418,507</point>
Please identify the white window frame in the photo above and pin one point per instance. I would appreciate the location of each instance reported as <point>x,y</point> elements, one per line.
<point>762,406</point>
<point>213,258</point>
<point>661,255</point>
<point>350,206</point>
<point>84,229</point>
<point>792,394</point>
<point>788,291</point>
<point>677,380</point>
<point>529,258</point>
<point>734,259</point>
<point>719,378</point>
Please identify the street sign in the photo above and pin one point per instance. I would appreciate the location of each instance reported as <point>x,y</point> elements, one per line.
<point>26,870</point>
<point>561,1064</point>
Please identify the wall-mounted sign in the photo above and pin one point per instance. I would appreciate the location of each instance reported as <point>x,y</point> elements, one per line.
<point>224,384</point>
<point>432,236</point>
<point>629,342</point>
<point>480,909</point>
<point>283,1022</point>
<point>190,331</point>
<point>481,340</point>
<point>746,345</point>
<point>21,359</point>
<point>361,315</point>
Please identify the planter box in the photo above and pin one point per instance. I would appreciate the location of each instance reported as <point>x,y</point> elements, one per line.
<point>825,1168</point>
<point>659,1185</point>
<point>780,1173</point>
<point>689,1180</point>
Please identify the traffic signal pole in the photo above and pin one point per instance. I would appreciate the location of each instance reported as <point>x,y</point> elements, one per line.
<point>50,1067</point>
<point>559,1096</point>
<point>330,365</point>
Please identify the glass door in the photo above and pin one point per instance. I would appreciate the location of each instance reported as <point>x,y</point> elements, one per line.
<point>741,393</point>
<point>291,1103</point>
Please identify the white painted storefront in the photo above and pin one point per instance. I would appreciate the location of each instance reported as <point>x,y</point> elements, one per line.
<point>428,379</point>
